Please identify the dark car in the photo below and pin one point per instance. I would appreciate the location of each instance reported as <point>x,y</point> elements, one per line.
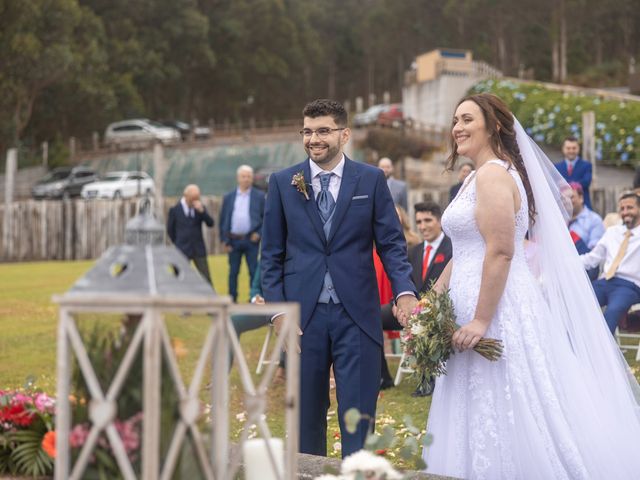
<point>199,132</point>
<point>63,182</point>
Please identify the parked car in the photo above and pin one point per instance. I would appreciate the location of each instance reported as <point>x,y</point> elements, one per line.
<point>391,117</point>
<point>369,116</point>
<point>199,133</point>
<point>139,132</point>
<point>120,185</point>
<point>63,182</point>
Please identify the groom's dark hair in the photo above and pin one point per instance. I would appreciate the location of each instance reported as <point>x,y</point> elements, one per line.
<point>324,107</point>
<point>429,207</point>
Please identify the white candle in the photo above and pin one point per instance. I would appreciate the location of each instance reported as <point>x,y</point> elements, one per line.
<point>257,465</point>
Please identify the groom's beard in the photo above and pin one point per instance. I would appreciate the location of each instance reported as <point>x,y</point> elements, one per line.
<point>325,156</point>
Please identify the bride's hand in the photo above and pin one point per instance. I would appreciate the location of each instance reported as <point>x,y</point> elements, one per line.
<point>469,335</point>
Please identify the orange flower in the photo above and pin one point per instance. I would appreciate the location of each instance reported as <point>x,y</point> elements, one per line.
<point>49,443</point>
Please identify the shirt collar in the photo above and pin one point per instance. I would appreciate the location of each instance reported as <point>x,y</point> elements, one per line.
<point>571,162</point>
<point>240,192</point>
<point>337,170</point>
<point>185,207</point>
<point>436,243</point>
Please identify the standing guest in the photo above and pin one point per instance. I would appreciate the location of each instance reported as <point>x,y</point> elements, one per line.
<point>398,188</point>
<point>463,172</point>
<point>428,260</point>
<point>184,228</point>
<point>240,226</point>
<point>619,286</point>
<point>575,169</point>
<point>322,219</point>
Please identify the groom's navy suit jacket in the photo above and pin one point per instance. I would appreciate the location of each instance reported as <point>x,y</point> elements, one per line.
<point>296,253</point>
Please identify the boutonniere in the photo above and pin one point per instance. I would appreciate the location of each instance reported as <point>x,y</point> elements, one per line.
<point>439,258</point>
<point>298,181</point>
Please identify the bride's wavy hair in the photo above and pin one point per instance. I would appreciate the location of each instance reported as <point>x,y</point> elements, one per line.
<point>499,123</point>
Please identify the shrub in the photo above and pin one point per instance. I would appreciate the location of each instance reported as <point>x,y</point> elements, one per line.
<point>549,116</point>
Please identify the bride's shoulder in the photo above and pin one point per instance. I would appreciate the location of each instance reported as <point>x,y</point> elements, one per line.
<point>494,175</point>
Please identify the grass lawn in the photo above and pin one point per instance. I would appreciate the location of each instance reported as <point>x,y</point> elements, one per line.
<point>28,342</point>
<point>28,345</point>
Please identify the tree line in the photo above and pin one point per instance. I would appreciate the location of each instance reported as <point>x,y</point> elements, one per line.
<point>69,67</point>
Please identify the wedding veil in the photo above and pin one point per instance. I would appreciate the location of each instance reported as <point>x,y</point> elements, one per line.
<point>570,296</point>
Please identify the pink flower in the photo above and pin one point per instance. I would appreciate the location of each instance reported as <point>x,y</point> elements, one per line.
<point>78,435</point>
<point>44,403</point>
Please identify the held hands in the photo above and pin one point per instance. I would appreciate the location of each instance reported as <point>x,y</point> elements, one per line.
<point>255,237</point>
<point>468,336</point>
<point>277,325</point>
<point>405,304</point>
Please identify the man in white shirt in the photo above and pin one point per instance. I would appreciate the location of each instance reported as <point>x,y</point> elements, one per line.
<point>619,249</point>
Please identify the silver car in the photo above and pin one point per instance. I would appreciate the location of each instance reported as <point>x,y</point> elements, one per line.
<point>139,132</point>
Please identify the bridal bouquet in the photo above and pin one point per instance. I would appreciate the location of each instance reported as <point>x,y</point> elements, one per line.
<point>427,336</point>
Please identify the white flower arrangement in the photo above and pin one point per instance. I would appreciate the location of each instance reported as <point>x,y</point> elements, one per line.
<point>368,465</point>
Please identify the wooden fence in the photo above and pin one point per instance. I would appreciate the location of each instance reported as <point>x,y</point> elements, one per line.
<point>78,229</point>
<point>81,229</point>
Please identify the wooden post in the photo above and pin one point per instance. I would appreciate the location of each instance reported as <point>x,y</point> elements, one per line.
<point>72,147</point>
<point>589,141</point>
<point>159,170</point>
<point>9,181</point>
<point>45,154</point>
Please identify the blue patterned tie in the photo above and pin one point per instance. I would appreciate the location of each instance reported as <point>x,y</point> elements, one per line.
<point>326,203</point>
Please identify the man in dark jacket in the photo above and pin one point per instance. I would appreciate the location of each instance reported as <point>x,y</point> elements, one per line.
<point>184,228</point>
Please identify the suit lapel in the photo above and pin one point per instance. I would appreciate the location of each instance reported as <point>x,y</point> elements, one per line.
<point>310,205</point>
<point>347,187</point>
<point>441,250</point>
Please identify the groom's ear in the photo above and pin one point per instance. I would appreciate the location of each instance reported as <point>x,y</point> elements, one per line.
<point>346,135</point>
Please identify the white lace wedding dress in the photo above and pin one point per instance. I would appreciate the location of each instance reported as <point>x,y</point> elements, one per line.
<point>534,414</point>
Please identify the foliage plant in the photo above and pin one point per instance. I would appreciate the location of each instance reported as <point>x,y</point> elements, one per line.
<point>549,116</point>
<point>27,439</point>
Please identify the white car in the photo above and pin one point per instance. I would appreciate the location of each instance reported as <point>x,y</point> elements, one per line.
<point>139,132</point>
<point>119,185</point>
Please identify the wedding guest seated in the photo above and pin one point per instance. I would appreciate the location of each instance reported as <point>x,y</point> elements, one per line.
<point>619,250</point>
<point>586,226</point>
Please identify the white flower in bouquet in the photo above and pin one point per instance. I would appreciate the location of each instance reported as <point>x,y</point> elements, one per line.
<point>371,466</point>
<point>418,329</point>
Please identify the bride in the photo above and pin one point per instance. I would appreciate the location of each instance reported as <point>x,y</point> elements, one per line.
<point>561,403</point>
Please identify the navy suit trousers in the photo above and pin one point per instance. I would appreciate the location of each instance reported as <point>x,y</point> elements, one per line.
<point>332,337</point>
<point>618,295</point>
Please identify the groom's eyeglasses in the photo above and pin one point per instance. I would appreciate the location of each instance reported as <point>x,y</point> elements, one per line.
<point>322,132</point>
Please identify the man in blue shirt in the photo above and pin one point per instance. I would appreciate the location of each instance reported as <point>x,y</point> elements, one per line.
<point>240,226</point>
<point>586,223</point>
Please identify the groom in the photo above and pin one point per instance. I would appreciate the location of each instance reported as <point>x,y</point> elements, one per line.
<point>321,221</point>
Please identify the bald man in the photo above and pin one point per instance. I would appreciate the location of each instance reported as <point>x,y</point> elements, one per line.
<point>184,228</point>
<point>398,188</point>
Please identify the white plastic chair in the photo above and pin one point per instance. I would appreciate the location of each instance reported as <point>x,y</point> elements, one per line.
<point>633,337</point>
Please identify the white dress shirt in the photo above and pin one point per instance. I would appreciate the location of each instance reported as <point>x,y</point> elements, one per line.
<point>435,245</point>
<point>607,249</point>
<point>334,187</point>
<point>188,211</point>
<point>334,182</point>
<point>240,217</point>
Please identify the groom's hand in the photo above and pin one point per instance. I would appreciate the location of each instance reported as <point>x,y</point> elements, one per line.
<point>406,304</point>
<point>277,325</point>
